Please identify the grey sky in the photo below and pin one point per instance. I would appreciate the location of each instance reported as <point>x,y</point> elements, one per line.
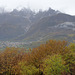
<point>67,6</point>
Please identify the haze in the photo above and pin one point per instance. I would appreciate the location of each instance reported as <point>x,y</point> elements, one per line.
<point>66,6</point>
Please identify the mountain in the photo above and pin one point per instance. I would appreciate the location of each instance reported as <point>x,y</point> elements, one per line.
<point>16,23</point>
<point>26,25</point>
<point>32,16</point>
<point>12,26</point>
<point>58,26</point>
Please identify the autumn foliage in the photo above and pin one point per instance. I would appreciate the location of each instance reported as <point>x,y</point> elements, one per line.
<point>52,58</point>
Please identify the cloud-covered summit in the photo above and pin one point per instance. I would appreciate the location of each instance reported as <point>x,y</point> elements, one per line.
<point>66,6</point>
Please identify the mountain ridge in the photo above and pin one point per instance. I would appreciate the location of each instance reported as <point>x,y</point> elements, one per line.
<point>26,25</point>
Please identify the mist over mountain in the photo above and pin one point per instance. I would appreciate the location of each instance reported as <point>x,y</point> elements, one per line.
<point>27,25</point>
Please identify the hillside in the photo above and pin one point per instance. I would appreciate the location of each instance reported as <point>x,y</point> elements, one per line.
<point>58,26</point>
<point>12,26</point>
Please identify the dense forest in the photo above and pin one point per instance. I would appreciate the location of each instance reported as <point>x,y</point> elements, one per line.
<point>52,58</point>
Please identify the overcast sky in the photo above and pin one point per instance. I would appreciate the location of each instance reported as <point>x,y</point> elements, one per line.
<point>67,6</point>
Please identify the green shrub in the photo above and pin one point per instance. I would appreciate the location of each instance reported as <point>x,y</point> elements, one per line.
<point>54,65</point>
<point>28,69</point>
